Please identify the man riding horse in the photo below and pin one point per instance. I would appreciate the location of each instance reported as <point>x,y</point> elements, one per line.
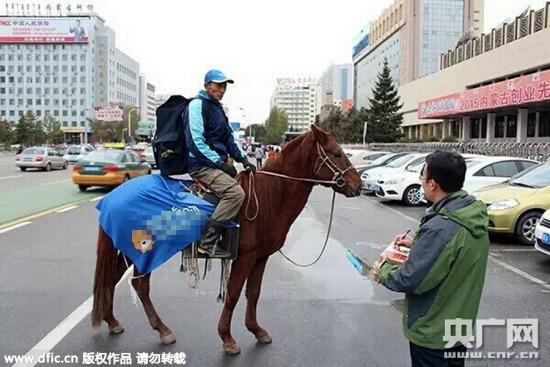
<point>210,141</point>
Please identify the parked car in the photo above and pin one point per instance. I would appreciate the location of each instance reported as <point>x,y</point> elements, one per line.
<point>403,185</point>
<point>378,162</point>
<point>77,152</point>
<point>516,205</point>
<point>108,168</point>
<point>40,157</point>
<point>542,234</point>
<point>149,156</point>
<point>361,156</point>
<point>370,177</point>
<point>485,171</point>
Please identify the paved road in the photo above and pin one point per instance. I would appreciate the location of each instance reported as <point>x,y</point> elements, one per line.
<point>327,315</point>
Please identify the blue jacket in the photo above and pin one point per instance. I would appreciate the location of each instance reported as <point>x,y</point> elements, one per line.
<point>208,135</point>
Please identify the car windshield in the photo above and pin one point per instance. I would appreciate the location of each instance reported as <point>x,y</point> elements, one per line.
<point>73,150</point>
<point>34,151</point>
<point>399,162</point>
<point>104,155</point>
<point>537,177</point>
<point>382,159</point>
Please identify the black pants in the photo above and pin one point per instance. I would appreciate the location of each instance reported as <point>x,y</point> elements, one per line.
<point>426,357</point>
<point>259,163</point>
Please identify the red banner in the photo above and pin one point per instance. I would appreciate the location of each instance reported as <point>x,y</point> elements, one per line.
<point>518,91</point>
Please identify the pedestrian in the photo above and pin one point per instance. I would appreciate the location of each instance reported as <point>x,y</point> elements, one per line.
<point>445,271</point>
<point>271,153</point>
<point>210,141</point>
<point>259,157</point>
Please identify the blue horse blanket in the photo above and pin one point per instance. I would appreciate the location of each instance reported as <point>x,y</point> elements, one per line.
<point>151,218</point>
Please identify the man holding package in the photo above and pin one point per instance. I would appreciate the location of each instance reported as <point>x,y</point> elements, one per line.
<point>444,274</point>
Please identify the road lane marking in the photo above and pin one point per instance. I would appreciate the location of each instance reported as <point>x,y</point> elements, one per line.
<point>521,272</point>
<point>39,214</point>
<point>54,182</point>
<point>515,250</point>
<point>97,198</point>
<point>67,209</point>
<point>63,328</point>
<point>8,177</point>
<point>4,230</point>
<point>395,211</point>
<point>350,207</point>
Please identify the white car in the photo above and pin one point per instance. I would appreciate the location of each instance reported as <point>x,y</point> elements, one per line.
<point>360,156</point>
<point>542,233</point>
<point>403,185</point>
<point>76,153</point>
<point>485,171</point>
<point>149,156</point>
<point>371,177</point>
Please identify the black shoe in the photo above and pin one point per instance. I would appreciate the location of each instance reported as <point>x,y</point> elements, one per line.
<point>213,251</point>
<point>209,244</point>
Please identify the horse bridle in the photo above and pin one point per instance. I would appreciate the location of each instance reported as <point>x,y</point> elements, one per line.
<point>323,159</point>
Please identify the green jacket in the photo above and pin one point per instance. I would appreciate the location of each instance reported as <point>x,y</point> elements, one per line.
<point>444,275</point>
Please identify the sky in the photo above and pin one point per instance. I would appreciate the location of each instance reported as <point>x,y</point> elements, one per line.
<point>253,42</point>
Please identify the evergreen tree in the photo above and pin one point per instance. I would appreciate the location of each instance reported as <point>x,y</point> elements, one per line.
<point>25,128</point>
<point>38,134</point>
<point>276,125</point>
<point>384,118</point>
<point>52,128</point>
<point>6,134</point>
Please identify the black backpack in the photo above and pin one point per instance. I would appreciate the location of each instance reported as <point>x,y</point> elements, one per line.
<point>169,145</point>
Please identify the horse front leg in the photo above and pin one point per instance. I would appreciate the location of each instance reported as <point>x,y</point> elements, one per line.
<point>253,288</point>
<point>141,284</point>
<point>239,272</point>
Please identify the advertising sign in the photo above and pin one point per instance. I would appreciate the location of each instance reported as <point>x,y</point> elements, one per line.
<point>44,30</point>
<point>522,90</point>
<point>108,113</point>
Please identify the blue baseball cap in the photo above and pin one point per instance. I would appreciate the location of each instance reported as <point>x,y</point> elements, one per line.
<point>216,76</point>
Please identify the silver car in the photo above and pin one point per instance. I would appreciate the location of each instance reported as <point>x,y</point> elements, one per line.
<point>76,153</point>
<point>40,157</point>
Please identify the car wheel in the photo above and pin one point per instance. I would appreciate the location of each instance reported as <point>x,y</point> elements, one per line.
<point>412,195</point>
<point>83,187</point>
<point>525,229</point>
<point>149,172</point>
<point>65,165</point>
<point>48,167</point>
<point>126,179</point>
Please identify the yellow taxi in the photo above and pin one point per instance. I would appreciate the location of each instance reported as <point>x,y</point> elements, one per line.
<point>108,168</point>
<point>516,205</point>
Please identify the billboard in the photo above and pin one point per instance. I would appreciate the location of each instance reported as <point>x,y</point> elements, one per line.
<point>44,30</point>
<point>513,92</point>
<point>108,113</point>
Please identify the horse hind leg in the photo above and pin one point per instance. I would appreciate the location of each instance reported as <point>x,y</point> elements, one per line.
<point>141,284</point>
<point>253,287</point>
<point>109,269</point>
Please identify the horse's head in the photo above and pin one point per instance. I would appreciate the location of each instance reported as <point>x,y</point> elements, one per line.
<point>332,164</point>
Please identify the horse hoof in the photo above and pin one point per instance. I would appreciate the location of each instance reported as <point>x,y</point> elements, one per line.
<point>264,339</point>
<point>168,339</point>
<point>117,329</point>
<point>232,348</point>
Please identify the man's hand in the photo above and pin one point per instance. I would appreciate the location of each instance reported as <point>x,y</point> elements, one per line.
<point>229,169</point>
<point>248,166</point>
<point>407,241</point>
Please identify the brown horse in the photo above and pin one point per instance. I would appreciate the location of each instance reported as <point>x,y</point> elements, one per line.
<point>279,194</point>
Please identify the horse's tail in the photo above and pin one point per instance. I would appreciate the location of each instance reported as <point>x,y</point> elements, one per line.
<point>105,272</point>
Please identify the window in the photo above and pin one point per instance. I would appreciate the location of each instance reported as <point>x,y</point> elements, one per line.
<point>544,124</point>
<point>531,124</point>
<point>505,169</point>
<point>499,127</point>
<point>523,165</point>
<point>512,126</point>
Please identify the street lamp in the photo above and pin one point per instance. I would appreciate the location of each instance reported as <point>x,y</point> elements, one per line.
<point>130,119</point>
<point>365,133</point>
<point>122,135</point>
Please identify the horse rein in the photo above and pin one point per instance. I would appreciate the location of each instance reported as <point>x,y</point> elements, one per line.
<point>337,179</point>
